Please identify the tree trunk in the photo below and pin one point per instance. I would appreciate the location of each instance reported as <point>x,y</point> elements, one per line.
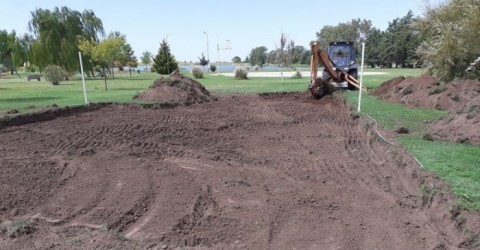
<point>113,70</point>
<point>105,78</point>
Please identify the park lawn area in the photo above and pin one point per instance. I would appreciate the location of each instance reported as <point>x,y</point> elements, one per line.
<point>457,164</point>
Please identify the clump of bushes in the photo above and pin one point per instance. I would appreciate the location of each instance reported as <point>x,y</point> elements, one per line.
<point>197,72</point>
<point>241,74</point>
<point>213,68</point>
<point>55,74</point>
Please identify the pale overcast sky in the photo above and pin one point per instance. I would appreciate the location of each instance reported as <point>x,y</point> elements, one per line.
<point>246,24</point>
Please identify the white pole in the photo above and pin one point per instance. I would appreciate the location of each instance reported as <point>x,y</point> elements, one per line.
<point>361,80</point>
<point>83,78</point>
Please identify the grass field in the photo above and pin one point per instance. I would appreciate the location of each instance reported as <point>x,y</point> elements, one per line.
<point>455,163</point>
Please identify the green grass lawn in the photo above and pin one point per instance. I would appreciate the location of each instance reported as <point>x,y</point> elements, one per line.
<point>455,163</point>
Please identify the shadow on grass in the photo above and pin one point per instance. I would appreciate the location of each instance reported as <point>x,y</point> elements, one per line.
<point>29,99</point>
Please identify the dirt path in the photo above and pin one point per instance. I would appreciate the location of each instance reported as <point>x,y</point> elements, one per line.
<point>255,172</point>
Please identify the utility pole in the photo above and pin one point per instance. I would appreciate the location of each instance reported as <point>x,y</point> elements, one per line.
<point>208,53</point>
<point>226,47</point>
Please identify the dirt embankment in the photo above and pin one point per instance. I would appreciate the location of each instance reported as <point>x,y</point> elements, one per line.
<point>461,98</point>
<point>176,89</point>
<point>276,171</point>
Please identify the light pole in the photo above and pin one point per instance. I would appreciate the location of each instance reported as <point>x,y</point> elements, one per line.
<point>227,46</point>
<point>208,54</point>
<point>166,41</point>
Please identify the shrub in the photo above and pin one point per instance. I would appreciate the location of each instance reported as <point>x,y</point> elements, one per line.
<point>197,72</point>
<point>55,74</point>
<point>213,68</point>
<point>297,75</point>
<point>241,74</point>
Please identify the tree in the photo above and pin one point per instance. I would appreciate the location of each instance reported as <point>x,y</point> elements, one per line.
<point>356,30</point>
<point>146,58</point>
<point>258,56</point>
<point>203,60</point>
<point>104,53</point>
<point>13,50</point>
<point>450,38</point>
<point>301,55</point>
<point>236,59</point>
<point>129,56</point>
<point>374,49</point>
<point>402,40</point>
<point>164,62</point>
<point>282,59</point>
<point>56,33</point>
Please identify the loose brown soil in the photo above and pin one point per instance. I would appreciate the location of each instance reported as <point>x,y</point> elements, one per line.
<point>176,89</point>
<point>460,98</point>
<point>275,171</point>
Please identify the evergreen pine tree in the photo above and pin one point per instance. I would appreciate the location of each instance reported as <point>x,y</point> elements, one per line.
<point>164,62</point>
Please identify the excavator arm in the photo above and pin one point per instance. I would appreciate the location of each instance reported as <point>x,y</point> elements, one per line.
<point>318,86</point>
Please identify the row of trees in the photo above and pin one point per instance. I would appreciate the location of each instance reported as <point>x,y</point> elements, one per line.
<point>284,55</point>
<point>57,36</point>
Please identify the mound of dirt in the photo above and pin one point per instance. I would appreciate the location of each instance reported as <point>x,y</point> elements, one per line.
<point>461,98</point>
<point>176,89</point>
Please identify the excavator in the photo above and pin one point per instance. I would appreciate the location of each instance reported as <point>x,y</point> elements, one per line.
<point>339,69</point>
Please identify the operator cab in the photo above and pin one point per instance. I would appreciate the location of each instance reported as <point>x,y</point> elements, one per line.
<point>342,55</point>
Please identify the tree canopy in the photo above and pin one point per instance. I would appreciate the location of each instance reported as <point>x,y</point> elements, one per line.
<point>146,58</point>
<point>450,38</point>
<point>56,32</point>
<point>258,56</point>
<point>164,62</point>
<point>356,30</point>
<point>395,46</point>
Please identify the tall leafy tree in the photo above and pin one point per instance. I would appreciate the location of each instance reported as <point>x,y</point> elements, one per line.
<point>258,56</point>
<point>374,50</point>
<point>104,53</point>
<point>146,58</point>
<point>56,32</point>
<point>450,31</point>
<point>13,50</point>
<point>164,62</point>
<point>129,56</point>
<point>402,40</point>
<point>356,30</point>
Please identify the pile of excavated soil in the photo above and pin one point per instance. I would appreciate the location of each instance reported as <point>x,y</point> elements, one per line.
<point>276,171</point>
<point>176,89</point>
<point>461,98</point>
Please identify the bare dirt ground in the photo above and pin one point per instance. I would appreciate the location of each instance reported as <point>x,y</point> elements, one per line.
<point>279,171</point>
<point>461,98</point>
